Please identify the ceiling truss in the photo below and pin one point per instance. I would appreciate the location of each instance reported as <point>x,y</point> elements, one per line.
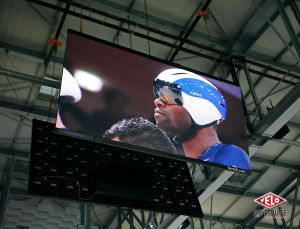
<point>267,125</point>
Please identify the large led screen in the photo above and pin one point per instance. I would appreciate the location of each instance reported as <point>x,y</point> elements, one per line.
<point>112,92</point>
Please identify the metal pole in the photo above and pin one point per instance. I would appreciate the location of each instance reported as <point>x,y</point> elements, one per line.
<point>282,218</point>
<point>119,219</point>
<point>159,41</point>
<point>295,10</point>
<point>236,80</point>
<point>122,22</point>
<point>62,20</point>
<point>131,219</point>
<point>137,219</point>
<point>82,212</point>
<point>294,202</point>
<point>251,88</point>
<point>191,222</point>
<point>263,74</point>
<point>5,192</point>
<point>275,222</point>
<point>184,28</point>
<point>189,31</point>
<point>30,78</point>
<point>10,168</point>
<point>201,223</point>
<point>88,216</point>
<point>288,25</point>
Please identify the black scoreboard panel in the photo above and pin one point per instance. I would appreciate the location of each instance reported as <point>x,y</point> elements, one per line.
<point>74,168</point>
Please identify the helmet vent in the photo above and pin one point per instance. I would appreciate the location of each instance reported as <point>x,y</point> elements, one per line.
<point>179,73</point>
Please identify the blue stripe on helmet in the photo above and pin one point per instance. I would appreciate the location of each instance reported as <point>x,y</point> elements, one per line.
<point>198,88</point>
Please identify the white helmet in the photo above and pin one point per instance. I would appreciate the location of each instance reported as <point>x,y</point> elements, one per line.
<point>70,91</point>
<point>198,96</point>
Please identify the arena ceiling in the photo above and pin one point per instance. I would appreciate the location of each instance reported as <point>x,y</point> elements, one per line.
<point>254,42</point>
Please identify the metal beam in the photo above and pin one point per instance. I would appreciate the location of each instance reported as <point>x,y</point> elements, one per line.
<point>141,35</point>
<point>189,31</point>
<point>294,125</point>
<point>236,80</point>
<point>251,88</point>
<point>45,18</point>
<point>158,22</point>
<point>27,53</point>
<point>82,212</point>
<point>29,78</point>
<point>35,109</point>
<point>286,141</point>
<point>18,155</point>
<point>140,221</point>
<point>269,69</point>
<point>127,21</point>
<point>276,59</point>
<point>275,222</point>
<point>288,25</point>
<point>282,218</point>
<point>121,23</point>
<point>37,57</point>
<point>253,28</point>
<point>6,190</point>
<point>269,94</point>
<point>294,203</point>
<point>234,221</point>
<point>280,114</point>
<point>289,144</point>
<point>61,23</point>
<point>295,10</point>
<point>250,31</point>
<point>110,219</point>
<point>275,30</point>
<point>184,29</point>
<point>16,118</point>
<point>276,164</point>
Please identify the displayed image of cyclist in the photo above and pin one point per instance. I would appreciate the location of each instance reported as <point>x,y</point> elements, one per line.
<point>190,107</point>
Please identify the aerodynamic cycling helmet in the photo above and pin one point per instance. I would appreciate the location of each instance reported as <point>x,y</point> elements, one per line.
<point>70,91</point>
<point>199,97</point>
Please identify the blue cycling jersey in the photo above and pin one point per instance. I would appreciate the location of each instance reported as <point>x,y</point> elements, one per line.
<point>228,155</point>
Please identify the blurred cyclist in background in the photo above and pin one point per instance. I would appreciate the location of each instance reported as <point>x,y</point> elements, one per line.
<point>140,132</point>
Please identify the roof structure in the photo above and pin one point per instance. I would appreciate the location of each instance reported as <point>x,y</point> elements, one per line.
<point>252,42</point>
